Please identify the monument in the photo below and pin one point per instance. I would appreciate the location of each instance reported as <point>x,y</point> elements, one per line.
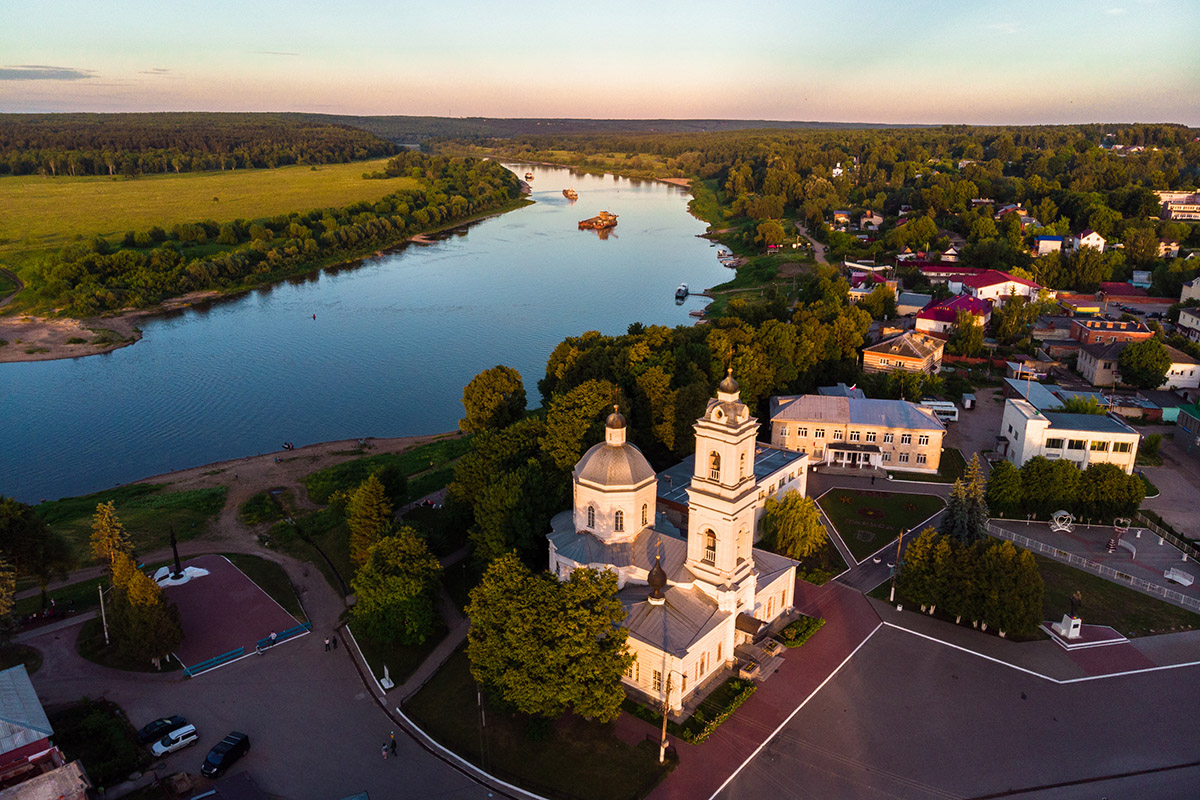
<point>1071,626</point>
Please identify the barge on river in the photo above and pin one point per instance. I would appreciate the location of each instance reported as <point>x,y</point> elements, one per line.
<point>601,221</point>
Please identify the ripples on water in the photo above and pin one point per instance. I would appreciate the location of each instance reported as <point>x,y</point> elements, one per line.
<point>394,342</point>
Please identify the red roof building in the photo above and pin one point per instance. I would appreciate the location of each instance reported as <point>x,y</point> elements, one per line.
<point>995,285</point>
<point>941,315</point>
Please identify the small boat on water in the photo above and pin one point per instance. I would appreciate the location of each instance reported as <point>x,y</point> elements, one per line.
<point>599,222</point>
<point>682,292</point>
<point>528,176</point>
<point>570,194</point>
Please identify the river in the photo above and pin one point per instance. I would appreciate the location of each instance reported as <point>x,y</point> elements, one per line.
<point>394,341</point>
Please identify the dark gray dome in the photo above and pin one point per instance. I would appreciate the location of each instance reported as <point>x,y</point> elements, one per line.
<point>729,384</point>
<point>657,578</point>
<point>615,420</point>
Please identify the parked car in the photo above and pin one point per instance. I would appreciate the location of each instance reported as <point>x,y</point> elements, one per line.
<point>175,740</point>
<point>225,754</point>
<point>160,727</point>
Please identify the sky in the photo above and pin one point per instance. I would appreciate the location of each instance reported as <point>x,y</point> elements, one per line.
<point>916,61</point>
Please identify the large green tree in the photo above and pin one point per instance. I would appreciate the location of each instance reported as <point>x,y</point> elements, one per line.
<point>494,399</point>
<point>395,589</point>
<point>1004,494</point>
<point>1144,364</point>
<point>967,337</point>
<point>369,515</point>
<point>546,647</point>
<point>29,545</point>
<point>109,538</point>
<point>144,626</point>
<point>792,525</point>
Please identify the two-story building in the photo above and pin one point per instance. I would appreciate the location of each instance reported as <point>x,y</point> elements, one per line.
<point>1107,331</point>
<point>1084,439</point>
<point>1088,238</point>
<point>855,433</point>
<point>1189,323</point>
<point>942,315</point>
<point>1044,245</point>
<point>914,352</point>
<point>995,286</point>
<point>1098,364</point>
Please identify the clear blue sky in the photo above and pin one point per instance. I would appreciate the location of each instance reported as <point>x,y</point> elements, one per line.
<point>919,62</point>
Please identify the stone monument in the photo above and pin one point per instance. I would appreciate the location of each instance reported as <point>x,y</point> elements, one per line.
<point>1071,626</point>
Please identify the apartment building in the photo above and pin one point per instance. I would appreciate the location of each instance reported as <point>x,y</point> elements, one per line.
<point>1085,439</point>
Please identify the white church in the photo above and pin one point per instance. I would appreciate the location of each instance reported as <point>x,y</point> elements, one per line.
<point>689,602</point>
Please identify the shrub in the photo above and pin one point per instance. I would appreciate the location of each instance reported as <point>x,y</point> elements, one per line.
<point>800,631</point>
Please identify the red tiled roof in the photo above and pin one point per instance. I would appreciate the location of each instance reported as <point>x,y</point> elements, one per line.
<point>947,310</point>
<point>1123,289</point>
<point>993,277</point>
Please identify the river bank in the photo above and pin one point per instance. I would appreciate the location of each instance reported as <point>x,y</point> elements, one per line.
<point>32,337</point>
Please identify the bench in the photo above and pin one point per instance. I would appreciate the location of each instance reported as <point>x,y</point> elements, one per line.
<point>1179,576</point>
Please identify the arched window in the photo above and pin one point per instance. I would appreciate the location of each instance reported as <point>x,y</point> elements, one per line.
<point>710,547</point>
<point>619,521</point>
<point>591,516</point>
<point>742,466</point>
<point>714,466</point>
<point>645,515</point>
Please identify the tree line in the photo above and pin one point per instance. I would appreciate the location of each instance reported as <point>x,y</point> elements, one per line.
<point>152,143</point>
<point>1042,486</point>
<point>147,267</point>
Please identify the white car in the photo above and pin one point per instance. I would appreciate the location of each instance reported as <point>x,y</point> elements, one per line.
<point>175,740</point>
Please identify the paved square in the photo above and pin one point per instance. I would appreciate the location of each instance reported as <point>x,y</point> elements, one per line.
<point>223,610</point>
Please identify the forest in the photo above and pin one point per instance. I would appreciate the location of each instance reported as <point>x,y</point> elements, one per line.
<point>146,267</point>
<point>928,184</point>
<point>150,143</point>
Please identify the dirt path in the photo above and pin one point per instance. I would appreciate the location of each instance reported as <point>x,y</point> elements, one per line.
<point>20,285</point>
<point>818,248</point>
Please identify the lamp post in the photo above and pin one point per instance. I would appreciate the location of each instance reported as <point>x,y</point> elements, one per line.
<point>895,569</point>
<point>662,742</point>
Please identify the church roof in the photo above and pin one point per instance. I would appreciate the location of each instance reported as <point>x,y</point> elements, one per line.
<point>686,616</point>
<point>586,548</point>
<point>770,566</point>
<point>614,465</point>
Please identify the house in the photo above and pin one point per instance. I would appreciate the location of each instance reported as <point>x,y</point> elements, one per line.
<point>870,221</point>
<point>1169,402</point>
<point>937,273</point>
<point>1088,238</point>
<point>29,761</point>
<point>996,286</point>
<point>859,433</point>
<point>941,316</point>
<point>1190,291</point>
<point>950,254</point>
<point>1079,306</point>
<point>1084,439</point>
<point>909,303</point>
<point>1098,365</point>
<point>841,218</point>
<point>1040,395</point>
<point>1189,323</point>
<point>1096,331</point>
<point>688,602</point>
<point>837,171</point>
<point>1042,245</point>
<point>1052,327</point>
<point>1141,279</point>
<point>1188,436</point>
<point>914,352</point>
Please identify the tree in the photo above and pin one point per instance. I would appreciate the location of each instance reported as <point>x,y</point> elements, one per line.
<point>1081,405</point>
<point>976,498</point>
<point>1105,492</point>
<point>770,233</point>
<point>1141,246</point>
<point>792,526</point>
<point>1144,364</point>
<point>575,421</point>
<point>1004,494</point>
<point>29,545</point>
<point>109,538</point>
<point>967,337</point>
<point>494,399</point>
<point>880,303</point>
<point>369,515</point>
<point>545,647</point>
<point>395,589</point>
<point>144,626</point>
<point>915,574</point>
<point>955,523</point>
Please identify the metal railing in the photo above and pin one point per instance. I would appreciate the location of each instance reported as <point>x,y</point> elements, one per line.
<point>283,636</point>
<point>1091,566</point>
<point>1184,545</point>
<point>214,662</point>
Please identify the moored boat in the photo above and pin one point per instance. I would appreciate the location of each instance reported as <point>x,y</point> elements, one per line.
<point>570,194</point>
<point>600,221</point>
<point>681,292</point>
<point>528,176</point>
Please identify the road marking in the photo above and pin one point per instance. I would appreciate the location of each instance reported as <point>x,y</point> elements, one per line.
<point>796,711</point>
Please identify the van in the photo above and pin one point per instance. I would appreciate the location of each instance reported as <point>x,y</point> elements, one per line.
<point>225,754</point>
<point>175,740</point>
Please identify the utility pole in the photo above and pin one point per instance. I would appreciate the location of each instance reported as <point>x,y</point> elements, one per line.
<point>895,569</point>
<point>103,618</point>
<point>662,743</point>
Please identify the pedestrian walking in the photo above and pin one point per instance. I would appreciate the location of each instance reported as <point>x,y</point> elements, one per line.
<point>385,749</point>
<point>326,644</point>
<point>393,745</point>
<point>335,641</point>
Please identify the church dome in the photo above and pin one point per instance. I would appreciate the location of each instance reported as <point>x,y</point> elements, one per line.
<point>613,465</point>
<point>615,420</point>
<point>729,385</point>
<point>657,579</point>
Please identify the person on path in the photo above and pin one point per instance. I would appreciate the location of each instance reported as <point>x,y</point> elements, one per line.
<point>393,745</point>
<point>385,749</point>
<point>335,642</point>
<point>326,644</point>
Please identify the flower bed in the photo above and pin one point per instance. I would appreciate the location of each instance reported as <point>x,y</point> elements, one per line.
<point>800,631</point>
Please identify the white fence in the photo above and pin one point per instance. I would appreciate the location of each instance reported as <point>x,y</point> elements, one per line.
<point>1184,545</point>
<point>1091,566</point>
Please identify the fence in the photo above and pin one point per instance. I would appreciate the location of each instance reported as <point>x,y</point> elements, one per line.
<point>283,636</point>
<point>214,662</point>
<point>1091,566</point>
<point>1184,545</point>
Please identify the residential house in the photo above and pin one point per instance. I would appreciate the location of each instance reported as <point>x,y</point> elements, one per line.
<point>1169,402</point>
<point>29,761</point>
<point>1188,436</point>
<point>914,352</point>
<point>841,218</point>
<point>950,254</point>
<point>854,433</point>
<point>870,221</point>
<point>1044,245</point>
<point>995,286</point>
<point>1053,327</point>
<point>1085,439</point>
<point>1088,238</point>
<point>1168,248</point>
<point>1189,323</point>
<point>938,273</point>
<point>941,316</point>
<point>1098,365</point>
<point>1190,291</point>
<point>1096,331</point>
<point>909,303</point>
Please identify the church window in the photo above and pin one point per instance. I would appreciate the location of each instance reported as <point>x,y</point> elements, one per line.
<point>770,607</point>
<point>742,466</point>
<point>645,514</point>
<point>619,520</point>
<point>591,516</point>
<point>718,652</point>
<point>714,466</point>
<point>710,547</point>
<point>634,669</point>
<point>683,686</point>
<point>656,681</point>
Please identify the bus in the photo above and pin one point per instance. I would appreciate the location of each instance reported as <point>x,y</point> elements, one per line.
<point>942,409</point>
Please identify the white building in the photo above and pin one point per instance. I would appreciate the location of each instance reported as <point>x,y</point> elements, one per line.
<point>994,285</point>
<point>1189,323</point>
<point>1088,238</point>
<point>689,602</point>
<point>1084,439</point>
<point>1191,290</point>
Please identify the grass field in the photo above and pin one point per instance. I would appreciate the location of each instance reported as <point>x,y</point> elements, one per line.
<point>147,513</point>
<point>868,520</point>
<point>578,759</point>
<point>272,579</point>
<point>44,212</point>
<point>951,467</point>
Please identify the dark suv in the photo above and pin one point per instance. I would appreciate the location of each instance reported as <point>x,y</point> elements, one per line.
<point>225,754</point>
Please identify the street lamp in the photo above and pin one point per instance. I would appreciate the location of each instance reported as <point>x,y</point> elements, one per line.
<point>895,569</point>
